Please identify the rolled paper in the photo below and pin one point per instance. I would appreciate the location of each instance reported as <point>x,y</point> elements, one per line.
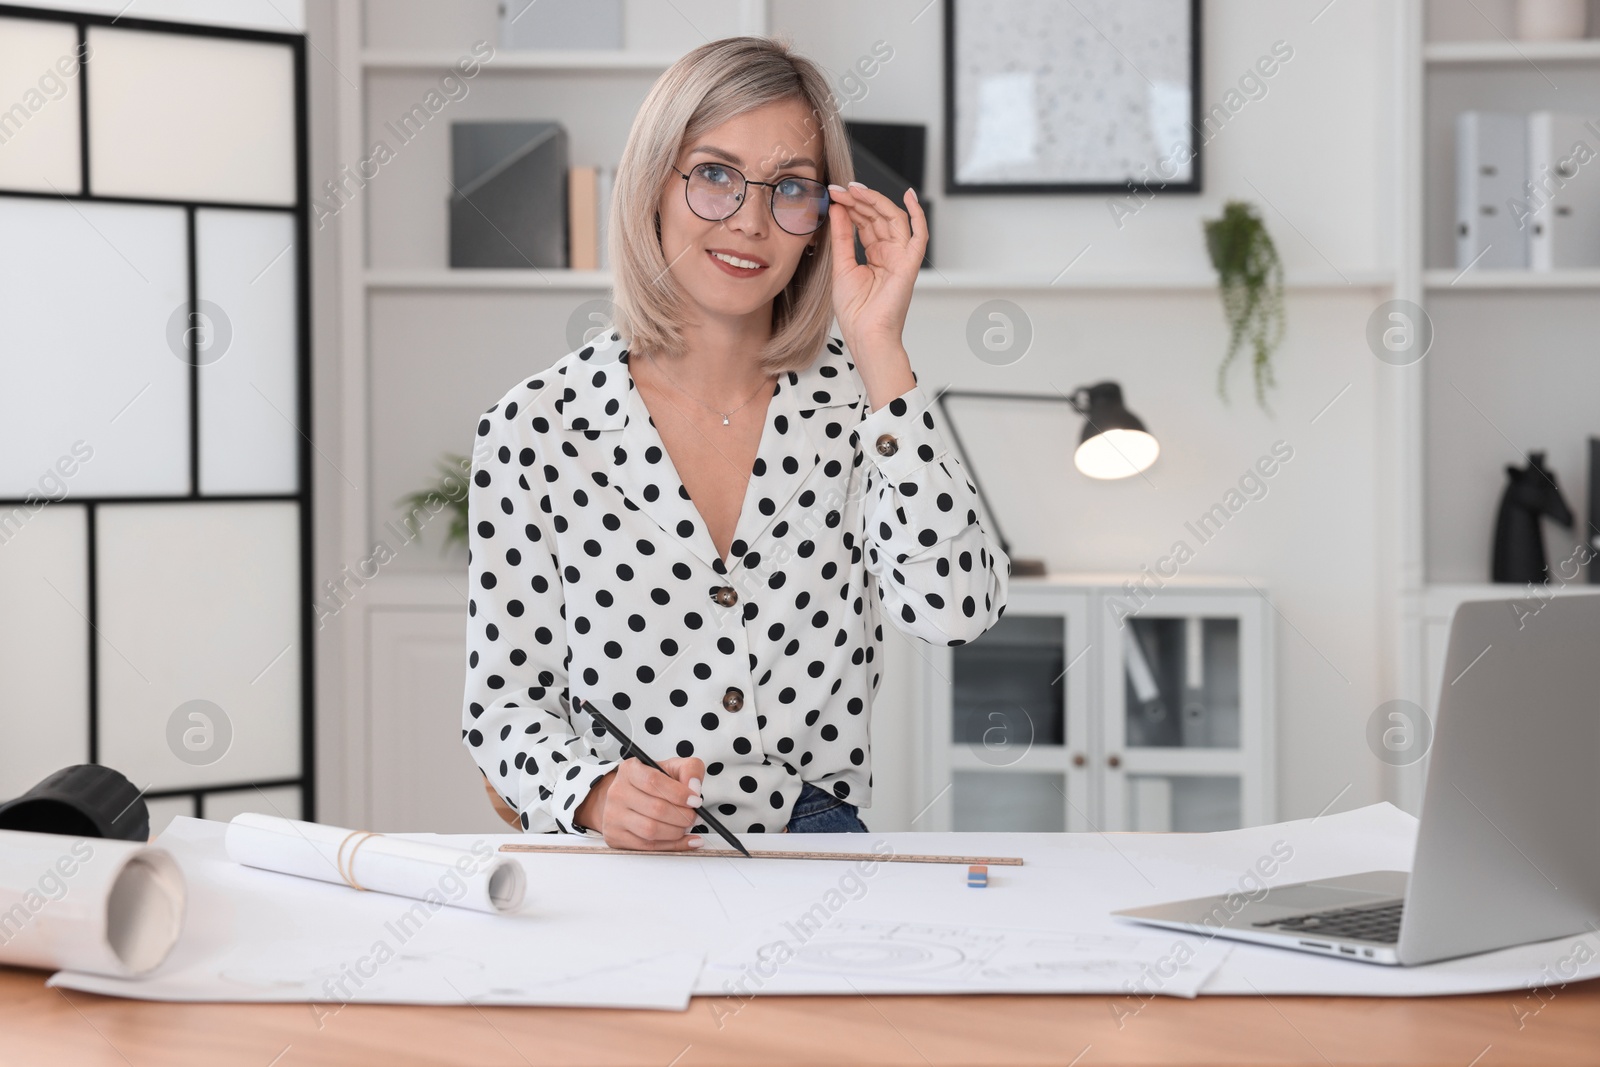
<point>475,878</point>
<point>90,904</point>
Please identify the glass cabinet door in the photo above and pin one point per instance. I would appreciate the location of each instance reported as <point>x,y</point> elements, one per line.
<point>1182,707</point>
<point>1181,682</point>
<point>1010,744</point>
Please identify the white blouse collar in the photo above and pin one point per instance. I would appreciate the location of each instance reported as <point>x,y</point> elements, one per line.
<point>597,385</point>
<point>598,396</point>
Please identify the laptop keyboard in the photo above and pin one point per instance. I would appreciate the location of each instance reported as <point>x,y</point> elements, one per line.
<point>1381,923</point>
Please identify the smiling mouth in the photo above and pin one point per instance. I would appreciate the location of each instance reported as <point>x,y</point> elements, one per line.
<point>739,263</point>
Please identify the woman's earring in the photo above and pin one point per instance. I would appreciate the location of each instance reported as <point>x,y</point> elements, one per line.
<point>811,250</point>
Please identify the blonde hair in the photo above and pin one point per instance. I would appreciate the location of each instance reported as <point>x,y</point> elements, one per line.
<point>714,83</point>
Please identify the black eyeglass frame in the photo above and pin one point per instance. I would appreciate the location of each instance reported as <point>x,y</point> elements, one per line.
<point>771,205</point>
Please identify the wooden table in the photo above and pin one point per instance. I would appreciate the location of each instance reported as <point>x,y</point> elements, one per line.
<point>1552,1026</point>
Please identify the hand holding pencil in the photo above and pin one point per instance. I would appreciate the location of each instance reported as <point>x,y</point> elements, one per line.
<point>638,807</point>
<point>655,801</point>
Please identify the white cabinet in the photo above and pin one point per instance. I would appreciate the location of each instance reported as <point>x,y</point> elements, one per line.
<point>1095,705</point>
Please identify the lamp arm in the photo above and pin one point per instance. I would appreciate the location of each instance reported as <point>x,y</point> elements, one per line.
<point>961,451</point>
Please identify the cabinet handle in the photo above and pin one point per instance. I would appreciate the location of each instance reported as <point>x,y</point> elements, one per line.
<point>1113,760</point>
<point>1078,759</point>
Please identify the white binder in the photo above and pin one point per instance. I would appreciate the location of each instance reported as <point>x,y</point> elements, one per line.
<point>1491,166</point>
<point>1562,192</point>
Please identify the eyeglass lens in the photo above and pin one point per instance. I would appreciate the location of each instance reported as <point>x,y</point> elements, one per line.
<point>799,204</point>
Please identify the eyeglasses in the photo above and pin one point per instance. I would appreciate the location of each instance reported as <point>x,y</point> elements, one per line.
<point>715,191</point>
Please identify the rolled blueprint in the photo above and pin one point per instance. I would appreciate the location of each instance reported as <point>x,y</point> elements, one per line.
<point>476,878</point>
<point>87,903</point>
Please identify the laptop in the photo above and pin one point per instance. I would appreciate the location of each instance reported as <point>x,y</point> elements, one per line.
<point>1506,843</point>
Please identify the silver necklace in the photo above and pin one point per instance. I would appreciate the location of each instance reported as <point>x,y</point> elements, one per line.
<point>696,399</point>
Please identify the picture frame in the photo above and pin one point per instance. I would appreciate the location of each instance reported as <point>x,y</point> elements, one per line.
<point>1141,55</point>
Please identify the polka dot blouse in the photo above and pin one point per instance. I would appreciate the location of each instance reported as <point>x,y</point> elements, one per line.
<point>592,575</point>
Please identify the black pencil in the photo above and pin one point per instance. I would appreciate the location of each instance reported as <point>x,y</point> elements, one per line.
<point>631,749</point>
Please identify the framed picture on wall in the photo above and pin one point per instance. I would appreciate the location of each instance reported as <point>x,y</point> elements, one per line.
<point>1092,96</point>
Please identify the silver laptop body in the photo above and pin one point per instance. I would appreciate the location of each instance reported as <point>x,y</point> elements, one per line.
<point>1507,840</point>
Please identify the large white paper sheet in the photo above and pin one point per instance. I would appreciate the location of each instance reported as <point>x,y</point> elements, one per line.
<point>1068,885</point>
<point>634,930</point>
<point>257,935</point>
<point>875,956</point>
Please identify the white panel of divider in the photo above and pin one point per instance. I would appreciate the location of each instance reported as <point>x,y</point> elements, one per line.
<point>44,646</point>
<point>39,86</point>
<point>199,651</point>
<point>247,271</point>
<point>189,117</point>
<point>88,294</point>
<point>281,801</point>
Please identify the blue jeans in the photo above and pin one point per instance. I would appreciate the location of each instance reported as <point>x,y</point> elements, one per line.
<point>819,812</point>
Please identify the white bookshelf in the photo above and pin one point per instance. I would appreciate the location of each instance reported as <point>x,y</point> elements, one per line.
<point>1510,52</point>
<point>426,59</point>
<point>948,280</point>
<point>1450,278</point>
<point>1502,374</point>
<point>489,279</point>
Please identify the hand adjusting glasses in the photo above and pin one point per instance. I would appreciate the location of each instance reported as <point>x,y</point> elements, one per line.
<point>715,191</point>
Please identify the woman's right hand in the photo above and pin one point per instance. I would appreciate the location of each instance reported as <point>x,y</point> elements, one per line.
<point>638,807</point>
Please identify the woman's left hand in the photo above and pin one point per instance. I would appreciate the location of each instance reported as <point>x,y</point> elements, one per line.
<point>870,300</point>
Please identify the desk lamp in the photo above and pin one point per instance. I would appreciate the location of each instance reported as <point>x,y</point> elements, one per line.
<point>1114,444</point>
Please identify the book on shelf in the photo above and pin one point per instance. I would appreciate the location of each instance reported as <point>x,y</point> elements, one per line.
<point>1523,199</point>
<point>1594,508</point>
<point>1562,204</point>
<point>608,177</point>
<point>583,218</point>
<point>507,204</point>
<point>1491,166</point>
<point>588,213</point>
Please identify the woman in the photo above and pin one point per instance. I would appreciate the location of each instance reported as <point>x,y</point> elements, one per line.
<point>693,522</point>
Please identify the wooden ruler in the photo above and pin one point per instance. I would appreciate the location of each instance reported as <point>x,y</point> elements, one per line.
<point>764,854</point>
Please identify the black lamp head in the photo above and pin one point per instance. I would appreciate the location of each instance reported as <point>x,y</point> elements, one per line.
<point>1115,443</point>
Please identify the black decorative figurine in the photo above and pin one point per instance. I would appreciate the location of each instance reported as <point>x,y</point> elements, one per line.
<point>1518,541</point>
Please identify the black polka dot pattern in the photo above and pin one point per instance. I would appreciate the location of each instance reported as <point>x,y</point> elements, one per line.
<point>592,575</point>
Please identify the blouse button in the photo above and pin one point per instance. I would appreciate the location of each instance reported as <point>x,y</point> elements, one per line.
<point>887,445</point>
<point>733,699</point>
<point>725,595</point>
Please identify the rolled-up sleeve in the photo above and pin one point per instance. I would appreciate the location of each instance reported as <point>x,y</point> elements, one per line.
<point>514,720</point>
<point>940,574</point>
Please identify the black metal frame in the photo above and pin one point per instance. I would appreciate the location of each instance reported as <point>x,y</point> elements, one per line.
<point>772,206</point>
<point>954,187</point>
<point>303,415</point>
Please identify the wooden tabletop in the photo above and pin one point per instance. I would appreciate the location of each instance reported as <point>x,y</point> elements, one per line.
<point>1551,1026</point>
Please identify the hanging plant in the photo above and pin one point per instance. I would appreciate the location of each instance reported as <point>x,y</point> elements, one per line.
<point>1251,279</point>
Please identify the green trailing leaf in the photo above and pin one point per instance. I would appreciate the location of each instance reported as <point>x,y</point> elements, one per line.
<point>448,493</point>
<point>1251,279</point>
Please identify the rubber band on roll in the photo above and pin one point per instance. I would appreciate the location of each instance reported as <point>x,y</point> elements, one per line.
<point>347,867</point>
